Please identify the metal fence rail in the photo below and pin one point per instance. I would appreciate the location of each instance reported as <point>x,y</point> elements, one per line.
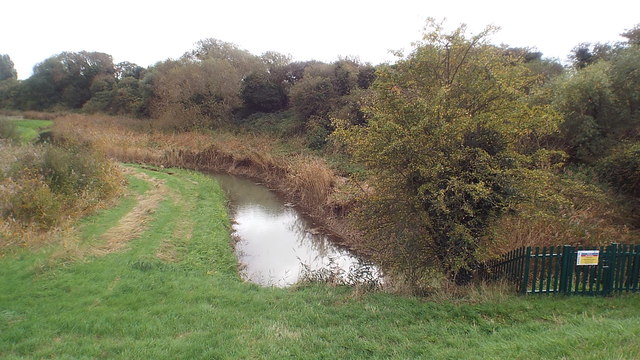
<point>569,270</point>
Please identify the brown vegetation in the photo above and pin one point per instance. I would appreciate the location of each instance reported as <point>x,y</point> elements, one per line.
<point>589,217</point>
<point>44,188</point>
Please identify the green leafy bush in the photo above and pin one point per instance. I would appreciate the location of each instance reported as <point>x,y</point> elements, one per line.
<point>446,150</point>
<point>621,169</point>
<point>316,133</point>
<point>283,123</point>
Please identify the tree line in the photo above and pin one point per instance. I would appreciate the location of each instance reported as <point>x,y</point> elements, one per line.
<point>214,84</point>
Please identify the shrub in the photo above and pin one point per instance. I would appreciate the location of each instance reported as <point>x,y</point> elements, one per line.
<point>69,171</point>
<point>317,133</point>
<point>41,185</point>
<point>283,123</point>
<point>261,93</point>
<point>30,200</point>
<point>312,96</point>
<point>444,149</point>
<point>621,169</point>
<point>80,172</point>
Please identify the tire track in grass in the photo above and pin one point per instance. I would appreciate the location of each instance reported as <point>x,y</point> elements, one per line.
<point>169,249</point>
<point>135,222</point>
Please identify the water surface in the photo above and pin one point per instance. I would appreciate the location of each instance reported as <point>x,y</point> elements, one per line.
<point>277,245</point>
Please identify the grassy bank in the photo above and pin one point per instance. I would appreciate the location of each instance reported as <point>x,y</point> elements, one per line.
<point>154,277</point>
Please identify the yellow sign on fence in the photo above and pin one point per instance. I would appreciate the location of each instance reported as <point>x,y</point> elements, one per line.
<point>588,257</point>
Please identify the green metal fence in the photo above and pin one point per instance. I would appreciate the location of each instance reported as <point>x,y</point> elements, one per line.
<point>569,270</point>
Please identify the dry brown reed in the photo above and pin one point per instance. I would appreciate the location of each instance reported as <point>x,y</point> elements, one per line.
<point>589,219</point>
<point>312,178</point>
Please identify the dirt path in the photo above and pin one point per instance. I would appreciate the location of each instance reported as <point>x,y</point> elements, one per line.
<point>136,221</point>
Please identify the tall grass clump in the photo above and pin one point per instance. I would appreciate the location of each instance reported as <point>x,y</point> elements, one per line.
<point>28,200</point>
<point>312,179</point>
<point>8,130</point>
<point>43,186</point>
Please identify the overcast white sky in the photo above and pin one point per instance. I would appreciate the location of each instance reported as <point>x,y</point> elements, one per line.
<point>146,32</point>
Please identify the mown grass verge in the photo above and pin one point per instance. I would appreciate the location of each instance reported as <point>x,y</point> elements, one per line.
<point>173,292</point>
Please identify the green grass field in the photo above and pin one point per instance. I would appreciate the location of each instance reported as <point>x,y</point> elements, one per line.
<point>172,292</point>
<point>25,130</point>
<point>29,130</point>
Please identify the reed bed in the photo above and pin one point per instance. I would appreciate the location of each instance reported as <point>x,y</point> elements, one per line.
<point>579,215</point>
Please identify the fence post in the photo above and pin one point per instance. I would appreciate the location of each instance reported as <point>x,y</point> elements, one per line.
<point>610,269</point>
<point>525,275</point>
<point>565,269</point>
<point>635,273</point>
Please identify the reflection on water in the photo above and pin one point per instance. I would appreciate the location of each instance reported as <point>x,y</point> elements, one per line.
<point>276,245</point>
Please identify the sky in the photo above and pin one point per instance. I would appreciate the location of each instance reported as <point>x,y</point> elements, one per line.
<point>145,32</point>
